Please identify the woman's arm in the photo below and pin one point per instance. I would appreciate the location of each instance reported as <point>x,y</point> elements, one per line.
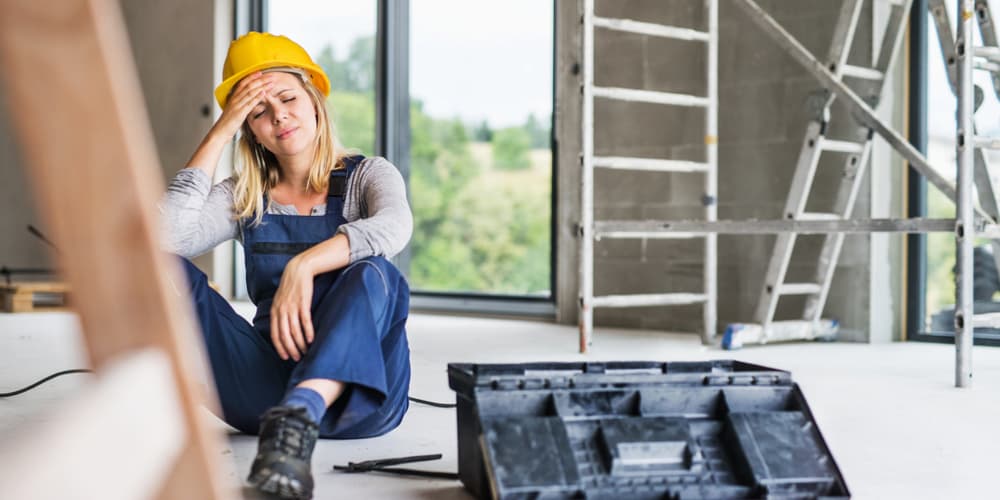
<point>247,93</point>
<point>291,319</point>
<point>379,218</point>
<point>196,216</point>
<point>380,223</point>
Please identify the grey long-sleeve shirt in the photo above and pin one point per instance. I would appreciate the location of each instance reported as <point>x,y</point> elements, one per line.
<point>196,216</point>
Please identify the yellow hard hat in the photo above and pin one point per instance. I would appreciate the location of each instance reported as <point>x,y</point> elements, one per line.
<point>259,51</point>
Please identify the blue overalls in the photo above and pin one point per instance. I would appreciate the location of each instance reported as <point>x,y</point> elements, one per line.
<point>359,317</point>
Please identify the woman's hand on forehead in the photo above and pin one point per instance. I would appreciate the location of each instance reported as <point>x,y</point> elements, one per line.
<point>246,95</point>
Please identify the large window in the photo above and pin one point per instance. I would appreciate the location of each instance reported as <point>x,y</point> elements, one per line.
<point>940,105</point>
<point>481,162</point>
<point>479,148</point>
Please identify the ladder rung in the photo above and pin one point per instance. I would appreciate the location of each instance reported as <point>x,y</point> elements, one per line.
<point>841,146</point>
<point>655,299</point>
<point>817,216</point>
<point>991,53</point>
<point>618,229</point>
<point>650,29</point>
<point>986,142</point>
<point>861,72</point>
<point>631,235</point>
<point>991,231</point>
<point>986,66</point>
<point>799,289</point>
<point>625,163</point>
<point>986,320</point>
<point>650,96</point>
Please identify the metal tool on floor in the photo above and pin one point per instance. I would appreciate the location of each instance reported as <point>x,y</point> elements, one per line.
<point>387,465</point>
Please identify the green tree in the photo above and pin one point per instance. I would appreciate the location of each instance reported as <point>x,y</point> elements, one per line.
<point>482,132</point>
<point>353,116</point>
<point>539,132</point>
<point>360,65</point>
<point>327,59</point>
<point>510,149</point>
<point>441,166</point>
<point>356,72</point>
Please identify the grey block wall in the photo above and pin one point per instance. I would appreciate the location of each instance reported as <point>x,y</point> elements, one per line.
<point>173,45</point>
<point>762,118</point>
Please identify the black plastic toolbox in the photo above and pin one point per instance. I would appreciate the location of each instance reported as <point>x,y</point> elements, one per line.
<point>637,429</point>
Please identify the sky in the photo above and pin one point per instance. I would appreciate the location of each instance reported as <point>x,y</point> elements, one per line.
<point>473,59</point>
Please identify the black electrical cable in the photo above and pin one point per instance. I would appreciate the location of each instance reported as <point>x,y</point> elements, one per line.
<point>432,403</point>
<point>42,381</point>
<point>81,370</point>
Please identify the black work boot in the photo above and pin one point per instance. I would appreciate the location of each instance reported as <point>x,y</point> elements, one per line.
<point>284,453</point>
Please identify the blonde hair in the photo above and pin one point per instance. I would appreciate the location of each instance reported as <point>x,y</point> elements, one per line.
<point>257,169</point>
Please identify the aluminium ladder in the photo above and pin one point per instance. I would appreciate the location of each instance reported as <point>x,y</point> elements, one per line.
<point>587,233</point>
<point>868,82</point>
<point>973,219</point>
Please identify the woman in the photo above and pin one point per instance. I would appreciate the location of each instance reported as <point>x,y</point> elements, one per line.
<point>327,354</point>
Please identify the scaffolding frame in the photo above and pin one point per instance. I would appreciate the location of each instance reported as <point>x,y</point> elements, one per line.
<point>972,218</point>
<point>588,230</point>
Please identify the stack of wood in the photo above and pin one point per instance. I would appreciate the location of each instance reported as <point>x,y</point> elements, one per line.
<point>34,296</point>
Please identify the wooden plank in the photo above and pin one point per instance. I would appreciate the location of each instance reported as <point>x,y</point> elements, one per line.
<point>77,108</point>
<point>34,297</point>
<point>85,451</point>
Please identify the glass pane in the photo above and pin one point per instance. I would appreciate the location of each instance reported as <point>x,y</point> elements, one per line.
<point>940,294</point>
<point>481,161</point>
<point>340,37</point>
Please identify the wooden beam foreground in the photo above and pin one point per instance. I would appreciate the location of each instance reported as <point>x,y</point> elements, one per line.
<point>76,104</point>
<point>68,455</point>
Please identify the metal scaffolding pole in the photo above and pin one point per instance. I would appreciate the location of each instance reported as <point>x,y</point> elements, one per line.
<point>710,309</point>
<point>586,314</point>
<point>965,231</point>
<point>683,228</point>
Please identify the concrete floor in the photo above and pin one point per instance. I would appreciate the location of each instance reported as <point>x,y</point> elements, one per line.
<point>895,424</point>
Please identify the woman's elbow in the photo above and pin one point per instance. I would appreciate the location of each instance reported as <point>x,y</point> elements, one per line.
<point>400,237</point>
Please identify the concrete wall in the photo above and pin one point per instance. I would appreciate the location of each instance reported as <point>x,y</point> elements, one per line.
<point>763,114</point>
<point>174,44</point>
<point>18,248</point>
